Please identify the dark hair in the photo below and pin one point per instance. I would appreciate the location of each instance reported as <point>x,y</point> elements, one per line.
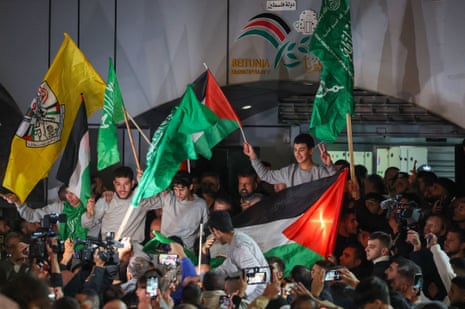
<point>378,183</point>
<point>369,290</point>
<point>306,139</point>
<point>458,264</point>
<point>359,250</point>
<point>213,281</point>
<point>447,184</point>
<point>342,162</point>
<point>248,172</point>
<point>279,262</point>
<point>428,177</point>
<point>220,220</point>
<point>9,236</point>
<point>302,274</point>
<point>302,299</point>
<point>459,281</point>
<point>191,294</point>
<point>224,199</point>
<point>66,302</point>
<point>37,291</point>
<point>345,212</point>
<point>458,231</point>
<point>407,269</point>
<point>182,178</point>
<point>385,239</point>
<point>124,172</point>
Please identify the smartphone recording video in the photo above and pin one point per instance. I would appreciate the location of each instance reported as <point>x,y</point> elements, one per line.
<point>332,275</point>
<point>168,259</point>
<point>152,286</point>
<point>288,288</point>
<point>225,302</point>
<point>256,275</point>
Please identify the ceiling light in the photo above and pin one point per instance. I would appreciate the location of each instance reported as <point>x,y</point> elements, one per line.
<point>246,107</point>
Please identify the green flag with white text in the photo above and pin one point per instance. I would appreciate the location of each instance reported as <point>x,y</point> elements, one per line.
<point>172,144</point>
<point>113,112</point>
<point>332,44</point>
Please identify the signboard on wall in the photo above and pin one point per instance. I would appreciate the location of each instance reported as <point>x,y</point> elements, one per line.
<point>269,40</point>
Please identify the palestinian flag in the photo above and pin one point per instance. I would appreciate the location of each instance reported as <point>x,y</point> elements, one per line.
<point>209,93</point>
<point>299,224</point>
<point>74,169</point>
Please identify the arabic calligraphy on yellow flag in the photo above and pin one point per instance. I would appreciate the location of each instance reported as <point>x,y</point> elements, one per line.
<point>46,126</point>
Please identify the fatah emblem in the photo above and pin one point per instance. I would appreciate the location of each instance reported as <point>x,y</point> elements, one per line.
<point>43,121</point>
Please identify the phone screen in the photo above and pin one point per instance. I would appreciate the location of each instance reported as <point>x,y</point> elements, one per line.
<point>332,275</point>
<point>255,275</point>
<point>225,302</point>
<point>418,282</point>
<point>168,259</point>
<point>152,286</point>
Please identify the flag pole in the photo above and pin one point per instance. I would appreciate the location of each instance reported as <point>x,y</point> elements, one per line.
<point>124,223</point>
<point>355,190</point>
<point>200,245</point>
<point>139,129</point>
<point>131,139</point>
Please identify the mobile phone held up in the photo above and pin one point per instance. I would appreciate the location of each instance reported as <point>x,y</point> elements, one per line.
<point>168,259</point>
<point>152,286</point>
<point>256,275</point>
<point>332,275</point>
<point>225,302</point>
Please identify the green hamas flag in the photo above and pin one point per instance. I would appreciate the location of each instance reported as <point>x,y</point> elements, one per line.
<point>172,144</point>
<point>113,112</point>
<point>332,44</point>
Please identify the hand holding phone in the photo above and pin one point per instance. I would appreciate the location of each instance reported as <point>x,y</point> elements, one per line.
<point>332,275</point>
<point>152,286</point>
<point>256,275</point>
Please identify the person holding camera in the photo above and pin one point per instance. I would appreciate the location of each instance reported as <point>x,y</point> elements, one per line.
<point>67,212</point>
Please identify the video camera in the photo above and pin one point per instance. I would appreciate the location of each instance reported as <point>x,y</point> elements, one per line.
<point>107,252</point>
<point>39,239</point>
<point>407,214</point>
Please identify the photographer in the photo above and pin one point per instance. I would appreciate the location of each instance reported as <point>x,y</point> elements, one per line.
<point>403,214</point>
<point>72,208</point>
<point>95,271</point>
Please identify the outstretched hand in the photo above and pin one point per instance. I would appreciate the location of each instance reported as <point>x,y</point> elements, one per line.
<point>249,151</point>
<point>324,155</point>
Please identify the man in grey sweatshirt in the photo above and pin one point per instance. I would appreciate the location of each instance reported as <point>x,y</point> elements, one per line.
<point>305,170</point>
<point>110,214</point>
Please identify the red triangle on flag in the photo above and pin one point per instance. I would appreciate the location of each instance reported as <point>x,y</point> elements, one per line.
<point>316,228</point>
<point>217,101</point>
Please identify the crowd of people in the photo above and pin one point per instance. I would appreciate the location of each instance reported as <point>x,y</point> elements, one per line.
<point>400,243</point>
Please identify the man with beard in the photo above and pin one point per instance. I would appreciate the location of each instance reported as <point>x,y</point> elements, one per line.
<point>110,214</point>
<point>454,244</point>
<point>247,185</point>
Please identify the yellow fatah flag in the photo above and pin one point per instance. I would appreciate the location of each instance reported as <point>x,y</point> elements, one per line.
<point>45,130</point>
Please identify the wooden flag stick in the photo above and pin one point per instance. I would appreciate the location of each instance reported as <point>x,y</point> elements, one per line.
<point>139,129</point>
<point>353,177</point>
<point>131,139</point>
<point>200,246</point>
<point>124,223</point>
